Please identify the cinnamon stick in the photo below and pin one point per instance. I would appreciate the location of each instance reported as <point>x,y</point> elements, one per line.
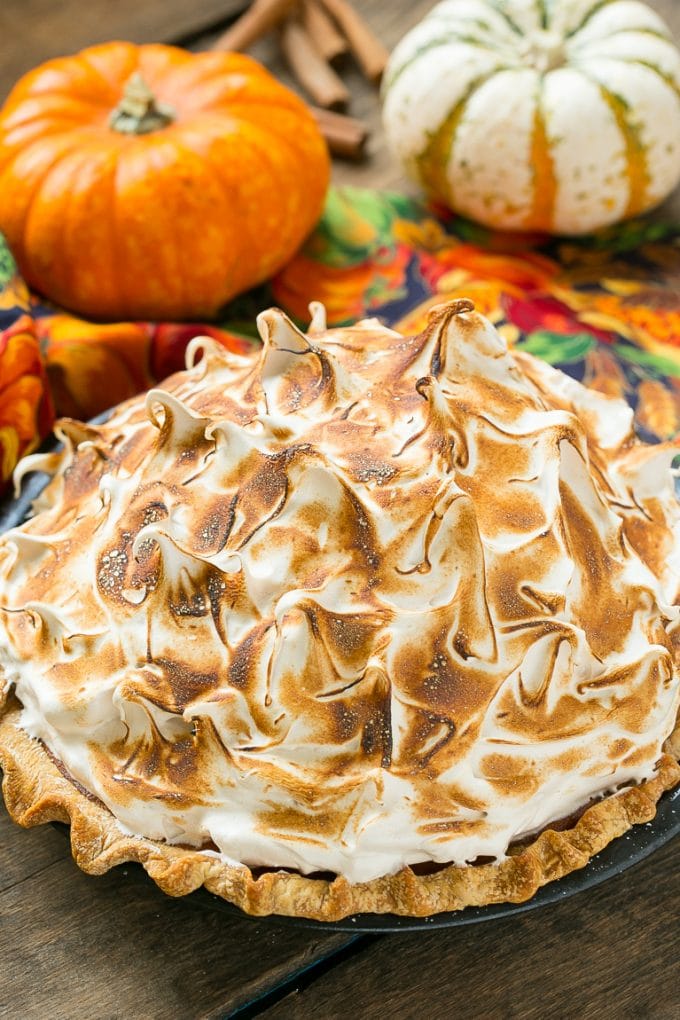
<point>322,31</point>
<point>346,137</point>
<point>370,53</point>
<point>261,17</point>
<point>309,67</point>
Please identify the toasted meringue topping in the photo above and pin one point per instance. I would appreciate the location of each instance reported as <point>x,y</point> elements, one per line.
<point>351,603</point>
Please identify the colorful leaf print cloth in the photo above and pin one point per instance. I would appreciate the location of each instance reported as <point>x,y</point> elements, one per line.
<point>606,309</point>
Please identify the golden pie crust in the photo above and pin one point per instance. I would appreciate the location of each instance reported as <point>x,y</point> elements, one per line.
<point>37,791</point>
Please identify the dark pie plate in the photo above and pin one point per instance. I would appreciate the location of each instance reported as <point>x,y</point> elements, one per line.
<point>621,854</point>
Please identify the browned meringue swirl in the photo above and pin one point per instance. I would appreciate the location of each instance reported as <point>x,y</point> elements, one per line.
<point>356,601</point>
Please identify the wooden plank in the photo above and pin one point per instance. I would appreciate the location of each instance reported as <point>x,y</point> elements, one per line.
<point>35,30</point>
<point>608,953</point>
<point>116,946</point>
<point>24,852</point>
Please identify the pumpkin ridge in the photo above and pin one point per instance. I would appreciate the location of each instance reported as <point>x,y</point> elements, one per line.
<point>35,186</point>
<point>225,190</point>
<point>543,15</point>
<point>227,103</point>
<point>637,171</point>
<point>176,91</point>
<point>288,140</point>
<point>52,131</point>
<point>433,161</point>
<point>69,269</point>
<point>176,267</point>
<point>89,88</point>
<point>116,234</point>
<point>498,6</point>
<point>281,136</point>
<point>107,84</point>
<point>296,154</point>
<point>639,62</point>
<point>48,117</point>
<point>578,48</point>
<point>31,86</point>
<point>113,86</point>
<point>205,67</point>
<point>440,41</point>
<point>260,151</point>
<point>229,107</point>
<point>114,263</point>
<point>545,180</point>
<point>599,5</point>
<point>68,213</point>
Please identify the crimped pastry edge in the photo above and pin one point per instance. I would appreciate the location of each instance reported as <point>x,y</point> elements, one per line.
<point>36,792</point>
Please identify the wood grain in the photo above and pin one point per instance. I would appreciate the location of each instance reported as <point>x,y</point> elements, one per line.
<point>116,946</point>
<point>35,30</point>
<point>607,954</point>
<point>24,852</point>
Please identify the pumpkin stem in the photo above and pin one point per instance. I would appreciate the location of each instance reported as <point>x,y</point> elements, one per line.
<point>139,112</point>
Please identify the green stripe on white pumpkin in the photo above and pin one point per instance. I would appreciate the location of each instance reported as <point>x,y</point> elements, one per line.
<point>667,79</point>
<point>522,15</point>
<point>637,169</point>
<point>577,15</point>
<point>445,40</point>
<point>478,14</point>
<point>659,54</point>
<point>453,20</point>
<point>589,152</point>
<point>420,102</point>
<point>432,162</point>
<point>543,14</point>
<point>620,16</point>
<point>583,133</point>
<point>501,8</point>
<point>652,110</point>
<point>493,144</point>
<point>455,12</point>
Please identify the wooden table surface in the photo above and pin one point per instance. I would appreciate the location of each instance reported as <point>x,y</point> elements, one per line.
<point>72,946</point>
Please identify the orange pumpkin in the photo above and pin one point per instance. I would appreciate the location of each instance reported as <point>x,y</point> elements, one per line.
<point>148,182</point>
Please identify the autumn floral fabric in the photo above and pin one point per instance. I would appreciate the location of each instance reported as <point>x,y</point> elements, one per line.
<point>606,309</point>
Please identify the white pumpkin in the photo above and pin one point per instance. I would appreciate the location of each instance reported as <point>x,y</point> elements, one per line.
<point>558,115</point>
